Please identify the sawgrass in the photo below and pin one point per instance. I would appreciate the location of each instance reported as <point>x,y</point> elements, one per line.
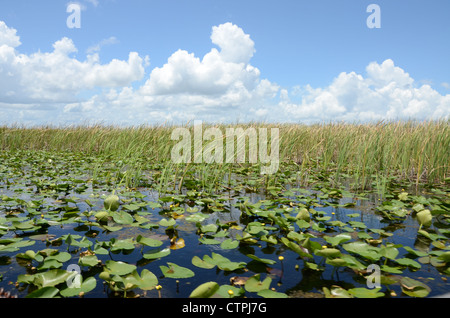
<point>416,152</point>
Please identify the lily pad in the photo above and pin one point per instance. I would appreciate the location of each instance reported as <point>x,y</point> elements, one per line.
<point>175,271</point>
<point>366,293</point>
<point>268,293</point>
<point>261,260</point>
<point>414,288</point>
<point>86,286</point>
<point>45,292</point>
<point>148,241</point>
<point>157,254</point>
<point>146,281</point>
<point>254,284</point>
<point>119,268</point>
<point>229,244</point>
<point>205,290</point>
<point>338,239</point>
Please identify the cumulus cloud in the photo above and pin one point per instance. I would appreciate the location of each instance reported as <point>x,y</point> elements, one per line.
<point>57,76</point>
<point>217,74</point>
<point>386,92</point>
<point>221,86</point>
<point>8,36</point>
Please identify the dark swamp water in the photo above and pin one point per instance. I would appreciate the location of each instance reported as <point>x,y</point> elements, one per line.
<point>287,246</point>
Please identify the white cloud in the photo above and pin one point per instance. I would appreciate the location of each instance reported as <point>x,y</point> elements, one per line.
<point>217,73</point>
<point>221,86</point>
<point>58,76</point>
<point>8,36</point>
<point>387,92</point>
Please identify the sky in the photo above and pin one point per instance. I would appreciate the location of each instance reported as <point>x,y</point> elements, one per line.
<point>140,62</point>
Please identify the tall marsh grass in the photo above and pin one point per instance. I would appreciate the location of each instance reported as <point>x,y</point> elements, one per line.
<point>413,151</point>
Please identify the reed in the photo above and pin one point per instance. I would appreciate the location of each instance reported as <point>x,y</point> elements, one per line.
<point>409,150</point>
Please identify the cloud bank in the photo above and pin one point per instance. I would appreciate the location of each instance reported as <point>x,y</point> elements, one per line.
<point>222,86</point>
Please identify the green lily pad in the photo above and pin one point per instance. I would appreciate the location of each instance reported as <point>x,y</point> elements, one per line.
<point>408,262</point>
<point>363,249</point>
<point>86,286</point>
<point>119,268</point>
<point>205,290</point>
<point>167,223</point>
<point>49,278</point>
<point>268,293</point>
<point>229,244</point>
<point>148,241</point>
<point>197,261</point>
<point>146,281</point>
<point>175,271</point>
<point>328,252</point>
<point>338,239</point>
<point>89,260</point>
<point>122,217</point>
<point>157,253</point>
<point>415,252</point>
<point>45,292</point>
<point>208,241</point>
<point>261,260</point>
<point>366,293</point>
<point>253,284</point>
<point>414,288</point>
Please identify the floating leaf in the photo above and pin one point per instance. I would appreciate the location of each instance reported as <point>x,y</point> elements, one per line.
<point>363,249</point>
<point>146,281</point>
<point>52,277</point>
<point>336,292</point>
<point>175,271</point>
<point>229,244</point>
<point>197,261</point>
<point>208,241</point>
<point>157,254</point>
<point>119,268</point>
<point>414,288</point>
<point>45,292</point>
<point>366,293</point>
<point>268,293</point>
<point>122,217</point>
<point>253,284</point>
<point>261,260</point>
<point>86,286</point>
<point>415,252</point>
<point>408,262</point>
<point>205,290</point>
<point>338,239</point>
<point>148,241</point>
<point>328,252</point>
<point>89,260</point>
<point>167,223</point>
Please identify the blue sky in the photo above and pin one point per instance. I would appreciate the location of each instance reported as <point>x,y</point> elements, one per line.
<point>288,61</point>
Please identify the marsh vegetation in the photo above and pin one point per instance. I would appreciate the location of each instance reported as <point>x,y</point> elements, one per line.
<point>103,211</point>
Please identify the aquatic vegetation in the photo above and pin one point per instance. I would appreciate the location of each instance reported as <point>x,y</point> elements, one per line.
<point>107,202</point>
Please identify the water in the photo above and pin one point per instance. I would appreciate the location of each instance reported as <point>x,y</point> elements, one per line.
<point>289,276</point>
